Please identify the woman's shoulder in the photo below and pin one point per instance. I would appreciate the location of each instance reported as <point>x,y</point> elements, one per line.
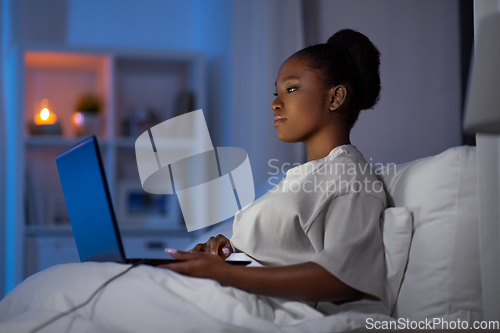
<point>343,161</point>
<point>351,173</point>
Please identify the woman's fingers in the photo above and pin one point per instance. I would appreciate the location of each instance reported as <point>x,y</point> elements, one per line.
<point>200,247</point>
<point>181,255</point>
<point>198,264</point>
<point>210,243</point>
<point>213,246</point>
<point>220,245</point>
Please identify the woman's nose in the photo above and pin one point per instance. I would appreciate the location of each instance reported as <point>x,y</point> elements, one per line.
<point>277,104</point>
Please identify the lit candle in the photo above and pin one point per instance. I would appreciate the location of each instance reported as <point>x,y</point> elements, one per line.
<point>45,117</point>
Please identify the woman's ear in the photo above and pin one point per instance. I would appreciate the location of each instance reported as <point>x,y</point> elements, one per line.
<point>337,96</point>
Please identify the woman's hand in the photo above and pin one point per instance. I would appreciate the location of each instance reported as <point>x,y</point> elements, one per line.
<point>218,245</point>
<point>198,264</point>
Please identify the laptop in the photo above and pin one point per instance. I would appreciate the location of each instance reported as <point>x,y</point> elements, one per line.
<point>90,210</point>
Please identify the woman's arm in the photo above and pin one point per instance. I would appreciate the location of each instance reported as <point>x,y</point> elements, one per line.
<point>302,282</point>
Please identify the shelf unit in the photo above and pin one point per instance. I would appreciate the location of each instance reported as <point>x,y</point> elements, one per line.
<point>129,82</point>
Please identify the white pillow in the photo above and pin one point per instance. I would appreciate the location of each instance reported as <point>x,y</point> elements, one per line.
<point>442,279</point>
<point>397,229</point>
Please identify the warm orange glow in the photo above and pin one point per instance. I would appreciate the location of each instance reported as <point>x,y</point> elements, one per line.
<point>45,117</point>
<point>44,103</point>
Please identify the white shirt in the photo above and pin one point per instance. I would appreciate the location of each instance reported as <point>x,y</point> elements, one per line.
<point>325,211</point>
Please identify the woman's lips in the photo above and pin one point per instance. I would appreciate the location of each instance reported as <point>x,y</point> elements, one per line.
<point>278,121</point>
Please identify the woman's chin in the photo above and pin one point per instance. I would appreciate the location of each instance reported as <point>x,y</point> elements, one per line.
<point>285,138</point>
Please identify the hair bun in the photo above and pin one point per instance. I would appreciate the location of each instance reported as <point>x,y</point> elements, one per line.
<point>366,58</point>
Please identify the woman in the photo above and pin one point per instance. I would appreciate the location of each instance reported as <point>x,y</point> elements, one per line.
<point>318,231</point>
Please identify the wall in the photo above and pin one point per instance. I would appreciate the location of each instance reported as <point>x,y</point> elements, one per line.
<point>153,24</point>
<point>419,110</point>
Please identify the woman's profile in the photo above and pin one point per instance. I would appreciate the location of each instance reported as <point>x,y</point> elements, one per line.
<point>317,232</point>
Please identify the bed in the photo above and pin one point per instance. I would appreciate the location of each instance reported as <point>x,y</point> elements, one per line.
<point>432,253</point>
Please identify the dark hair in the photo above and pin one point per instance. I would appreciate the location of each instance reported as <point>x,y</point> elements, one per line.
<point>348,58</point>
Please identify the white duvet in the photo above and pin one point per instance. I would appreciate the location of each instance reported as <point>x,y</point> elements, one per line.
<point>149,299</point>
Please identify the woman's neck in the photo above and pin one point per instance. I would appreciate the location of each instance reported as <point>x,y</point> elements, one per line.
<point>320,148</point>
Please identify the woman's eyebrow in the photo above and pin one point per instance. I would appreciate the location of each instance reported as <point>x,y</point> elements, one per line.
<point>288,78</point>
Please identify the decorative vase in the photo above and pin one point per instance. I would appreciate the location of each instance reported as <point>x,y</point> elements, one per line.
<point>87,123</point>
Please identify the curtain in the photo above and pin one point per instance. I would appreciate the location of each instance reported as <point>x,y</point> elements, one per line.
<point>264,34</point>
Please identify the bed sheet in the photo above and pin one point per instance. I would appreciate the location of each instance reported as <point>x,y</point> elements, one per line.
<point>149,299</point>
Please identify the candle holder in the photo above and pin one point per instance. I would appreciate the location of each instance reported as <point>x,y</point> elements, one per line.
<point>45,121</point>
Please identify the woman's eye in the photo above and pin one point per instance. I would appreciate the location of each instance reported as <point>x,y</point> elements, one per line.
<point>291,89</point>
<point>275,94</point>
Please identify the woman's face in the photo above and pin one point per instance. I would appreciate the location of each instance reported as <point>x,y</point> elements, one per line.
<point>301,108</point>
